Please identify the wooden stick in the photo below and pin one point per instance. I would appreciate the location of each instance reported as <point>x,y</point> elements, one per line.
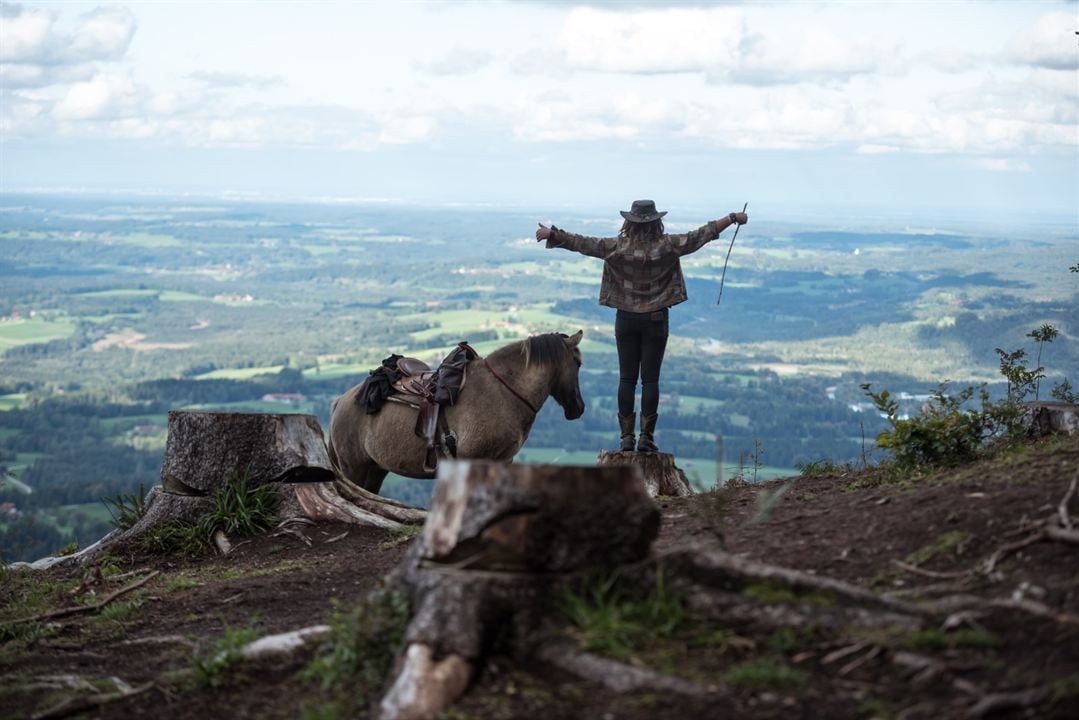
<point>78,609</point>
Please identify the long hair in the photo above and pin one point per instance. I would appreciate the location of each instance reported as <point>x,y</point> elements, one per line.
<point>642,232</point>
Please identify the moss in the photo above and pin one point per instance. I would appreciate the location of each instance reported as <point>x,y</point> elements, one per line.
<point>778,593</point>
<point>954,541</point>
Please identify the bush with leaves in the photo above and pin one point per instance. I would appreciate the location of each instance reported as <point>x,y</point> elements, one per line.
<point>947,431</point>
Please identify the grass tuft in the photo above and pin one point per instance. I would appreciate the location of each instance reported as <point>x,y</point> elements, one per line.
<point>765,674</point>
<point>359,654</point>
<point>126,509</point>
<point>617,620</point>
<point>213,669</point>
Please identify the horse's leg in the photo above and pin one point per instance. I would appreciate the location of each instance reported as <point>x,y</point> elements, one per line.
<point>371,477</point>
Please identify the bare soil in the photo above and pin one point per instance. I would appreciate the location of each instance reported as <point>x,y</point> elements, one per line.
<point>851,527</point>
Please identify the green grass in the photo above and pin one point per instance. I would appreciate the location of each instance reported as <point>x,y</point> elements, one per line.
<point>12,401</point>
<point>126,509</point>
<point>947,543</point>
<point>213,668</point>
<point>34,330</point>
<point>932,639</point>
<point>765,674</point>
<point>776,593</point>
<point>615,619</point>
<point>355,661</point>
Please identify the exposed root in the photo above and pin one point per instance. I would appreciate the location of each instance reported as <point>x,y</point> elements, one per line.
<point>615,675</point>
<point>1007,701</point>
<point>80,609</point>
<point>73,706</point>
<point>384,506</point>
<point>913,569</point>
<point>321,501</point>
<point>221,542</point>
<point>1062,509</point>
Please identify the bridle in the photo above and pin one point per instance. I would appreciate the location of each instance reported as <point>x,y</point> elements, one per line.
<point>509,387</point>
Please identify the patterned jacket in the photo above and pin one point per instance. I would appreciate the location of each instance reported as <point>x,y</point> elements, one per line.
<point>638,278</point>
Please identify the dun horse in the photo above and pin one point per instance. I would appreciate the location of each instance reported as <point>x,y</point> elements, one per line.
<point>492,417</point>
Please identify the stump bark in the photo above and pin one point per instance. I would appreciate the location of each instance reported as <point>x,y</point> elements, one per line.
<point>661,475</point>
<point>498,538</point>
<point>1047,417</point>
<point>205,449</point>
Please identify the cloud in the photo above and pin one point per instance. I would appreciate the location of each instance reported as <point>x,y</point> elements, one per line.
<point>874,149</point>
<point>34,53</point>
<point>458,61</point>
<point>106,95</point>
<point>222,80</point>
<point>1048,43</point>
<point>717,41</point>
<point>1004,165</point>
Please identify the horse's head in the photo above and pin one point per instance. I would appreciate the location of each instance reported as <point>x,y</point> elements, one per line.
<point>566,387</point>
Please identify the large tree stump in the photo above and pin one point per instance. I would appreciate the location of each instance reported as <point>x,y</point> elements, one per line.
<point>661,475</point>
<point>1047,417</point>
<point>495,538</point>
<point>205,449</point>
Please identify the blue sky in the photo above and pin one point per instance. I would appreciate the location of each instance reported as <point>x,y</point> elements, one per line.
<point>931,108</point>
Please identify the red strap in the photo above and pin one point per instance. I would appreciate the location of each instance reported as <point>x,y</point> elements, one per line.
<point>516,394</point>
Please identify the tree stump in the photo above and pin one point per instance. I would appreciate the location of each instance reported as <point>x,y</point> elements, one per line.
<point>1047,417</point>
<point>205,449</point>
<point>661,475</point>
<point>497,540</point>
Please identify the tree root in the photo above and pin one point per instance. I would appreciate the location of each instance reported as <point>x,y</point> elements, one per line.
<point>79,609</point>
<point>73,706</point>
<point>612,674</point>
<point>1007,701</point>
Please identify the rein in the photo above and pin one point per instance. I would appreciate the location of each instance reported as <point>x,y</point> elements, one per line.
<point>509,387</point>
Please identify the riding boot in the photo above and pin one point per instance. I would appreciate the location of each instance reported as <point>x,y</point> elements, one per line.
<point>647,443</point>
<point>626,423</point>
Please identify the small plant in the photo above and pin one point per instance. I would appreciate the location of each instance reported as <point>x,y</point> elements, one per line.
<point>823,467</point>
<point>615,619</point>
<point>126,508</point>
<point>188,538</point>
<point>361,649</point>
<point>120,611</point>
<point>70,549</point>
<point>767,502</point>
<point>1042,335</point>
<point>1063,392</point>
<point>1021,380</point>
<point>758,452</point>
<point>212,668</point>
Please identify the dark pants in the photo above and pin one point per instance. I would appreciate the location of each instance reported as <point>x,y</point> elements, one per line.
<point>641,340</point>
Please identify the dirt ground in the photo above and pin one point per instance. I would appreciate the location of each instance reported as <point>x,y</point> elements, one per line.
<point>850,527</point>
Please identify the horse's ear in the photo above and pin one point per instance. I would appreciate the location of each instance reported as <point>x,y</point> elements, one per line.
<point>574,339</point>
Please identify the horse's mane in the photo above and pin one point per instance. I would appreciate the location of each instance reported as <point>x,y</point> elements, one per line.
<point>544,350</point>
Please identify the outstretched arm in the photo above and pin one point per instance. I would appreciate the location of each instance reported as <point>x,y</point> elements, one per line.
<point>695,240</point>
<point>590,246</point>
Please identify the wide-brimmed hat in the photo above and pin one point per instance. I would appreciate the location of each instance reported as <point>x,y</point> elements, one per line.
<point>642,211</point>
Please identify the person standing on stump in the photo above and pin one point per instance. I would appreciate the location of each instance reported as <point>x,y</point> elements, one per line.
<point>642,279</point>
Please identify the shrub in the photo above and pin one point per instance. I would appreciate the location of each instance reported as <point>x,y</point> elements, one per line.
<point>126,508</point>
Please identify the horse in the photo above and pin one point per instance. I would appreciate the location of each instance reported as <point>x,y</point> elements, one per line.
<point>492,416</point>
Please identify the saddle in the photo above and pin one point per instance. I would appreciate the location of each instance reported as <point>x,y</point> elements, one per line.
<point>429,391</point>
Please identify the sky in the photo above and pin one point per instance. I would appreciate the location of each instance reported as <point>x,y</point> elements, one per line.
<point>912,109</point>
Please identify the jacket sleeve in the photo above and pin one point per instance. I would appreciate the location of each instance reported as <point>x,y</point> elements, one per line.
<point>591,246</point>
<point>695,240</point>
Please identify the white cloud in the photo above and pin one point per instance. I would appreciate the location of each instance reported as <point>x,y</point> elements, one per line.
<point>216,79</point>
<point>459,61</point>
<point>106,95</point>
<point>24,34</point>
<point>1048,43</point>
<point>1004,165</point>
<point>874,149</point>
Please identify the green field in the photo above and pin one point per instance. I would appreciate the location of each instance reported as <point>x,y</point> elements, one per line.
<point>33,330</point>
<point>12,401</point>
<point>240,373</point>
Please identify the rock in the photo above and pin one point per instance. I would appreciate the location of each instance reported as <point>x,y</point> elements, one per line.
<point>661,475</point>
<point>205,449</point>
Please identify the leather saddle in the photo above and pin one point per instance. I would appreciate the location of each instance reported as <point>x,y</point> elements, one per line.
<point>427,390</point>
